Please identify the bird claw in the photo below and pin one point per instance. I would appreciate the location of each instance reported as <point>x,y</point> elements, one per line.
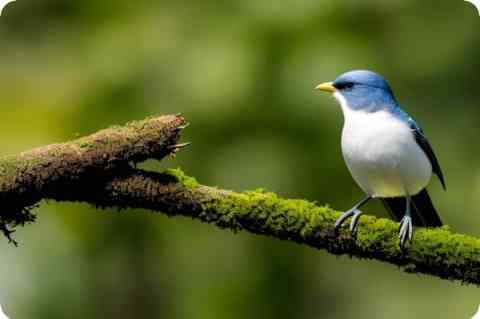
<point>355,214</point>
<point>354,222</point>
<point>405,230</point>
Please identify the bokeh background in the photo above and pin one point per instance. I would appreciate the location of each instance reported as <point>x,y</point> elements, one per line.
<point>242,72</point>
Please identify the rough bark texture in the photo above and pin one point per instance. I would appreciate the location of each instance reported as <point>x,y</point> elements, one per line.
<point>95,170</point>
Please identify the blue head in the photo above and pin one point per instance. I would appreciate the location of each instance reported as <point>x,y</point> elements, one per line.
<point>362,90</point>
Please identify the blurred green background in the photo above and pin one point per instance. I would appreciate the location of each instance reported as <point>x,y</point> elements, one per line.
<point>243,74</point>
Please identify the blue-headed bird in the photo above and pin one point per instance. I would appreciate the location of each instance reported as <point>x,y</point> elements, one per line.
<point>385,151</point>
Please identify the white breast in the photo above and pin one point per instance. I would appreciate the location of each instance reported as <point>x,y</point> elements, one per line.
<point>382,154</point>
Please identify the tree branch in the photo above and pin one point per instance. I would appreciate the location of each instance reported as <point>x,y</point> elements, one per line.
<point>98,173</point>
<point>71,167</point>
<point>436,252</point>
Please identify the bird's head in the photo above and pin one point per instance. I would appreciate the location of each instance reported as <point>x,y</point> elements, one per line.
<point>361,90</point>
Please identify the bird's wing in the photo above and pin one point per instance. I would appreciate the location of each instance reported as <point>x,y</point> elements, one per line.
<point>425,145</point>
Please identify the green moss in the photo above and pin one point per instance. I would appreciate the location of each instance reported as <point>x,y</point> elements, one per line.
<point>86,144</point>
<point>10,166</point>
<point>266,212</point>
<point>182,178</point>
<point>139,124</point>
<point>435,251</point>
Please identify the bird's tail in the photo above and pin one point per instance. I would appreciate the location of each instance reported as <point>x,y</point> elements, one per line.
<point>422,210</point>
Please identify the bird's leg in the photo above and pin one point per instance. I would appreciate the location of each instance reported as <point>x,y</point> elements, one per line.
<point>355,213</point>
<point>406,226</point>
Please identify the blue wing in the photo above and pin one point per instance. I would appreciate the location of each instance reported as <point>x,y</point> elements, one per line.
<point>425,145</point>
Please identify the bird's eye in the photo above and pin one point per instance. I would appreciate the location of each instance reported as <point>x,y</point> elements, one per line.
<point>344,85</point>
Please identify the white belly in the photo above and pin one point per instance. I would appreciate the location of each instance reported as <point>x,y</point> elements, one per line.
<point>382,154</point>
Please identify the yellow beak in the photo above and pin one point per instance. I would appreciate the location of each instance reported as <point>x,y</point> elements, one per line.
<point>327,87</point>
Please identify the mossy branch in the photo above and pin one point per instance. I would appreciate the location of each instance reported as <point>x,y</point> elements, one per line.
<point>69,168</point>
<point>436,252</point>
<point>96,170</point>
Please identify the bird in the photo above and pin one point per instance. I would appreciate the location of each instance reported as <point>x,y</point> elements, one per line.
<point>476,3</point>
<point>3,4</point>
<point>386,152</point>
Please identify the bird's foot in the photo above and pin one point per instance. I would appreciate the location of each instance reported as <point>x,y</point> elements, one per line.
<point>355,214</point>
<point>406,230</point>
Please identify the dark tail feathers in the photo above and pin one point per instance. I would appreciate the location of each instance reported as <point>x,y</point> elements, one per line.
<point>423,212</point>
